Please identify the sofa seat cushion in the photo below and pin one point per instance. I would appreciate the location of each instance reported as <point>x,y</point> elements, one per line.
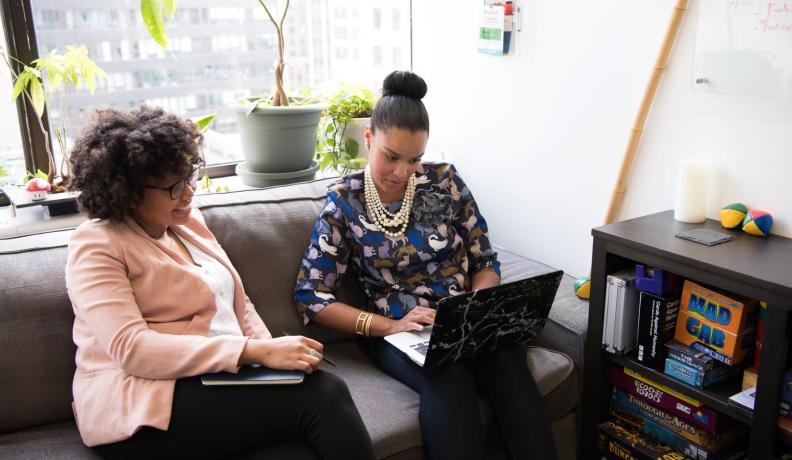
<point>390,409</point>
<point>56,441</point>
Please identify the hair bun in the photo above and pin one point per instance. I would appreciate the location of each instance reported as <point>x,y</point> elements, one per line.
<point>404,83</point>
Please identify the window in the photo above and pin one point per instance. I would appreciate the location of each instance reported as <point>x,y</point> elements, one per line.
<point>378,56</point>
<point>218,55</point>
<point>377,17</point>
<point>396,19</point>
<point>397,61</point>
<point>12,158</point>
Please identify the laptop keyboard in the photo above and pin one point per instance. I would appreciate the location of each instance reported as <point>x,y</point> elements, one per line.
<point>421,347</point>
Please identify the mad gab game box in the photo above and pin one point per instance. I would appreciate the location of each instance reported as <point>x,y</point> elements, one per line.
<point>723,324</point>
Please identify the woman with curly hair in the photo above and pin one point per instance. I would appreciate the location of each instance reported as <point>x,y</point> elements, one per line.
<point>413,234</point>
<point>158,303</point>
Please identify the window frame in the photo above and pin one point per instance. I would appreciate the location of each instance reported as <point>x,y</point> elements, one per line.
<point>20,40</point>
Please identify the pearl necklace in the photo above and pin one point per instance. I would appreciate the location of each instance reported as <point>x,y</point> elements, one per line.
<point>384,219</point>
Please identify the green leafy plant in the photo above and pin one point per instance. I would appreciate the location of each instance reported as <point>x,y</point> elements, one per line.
<point>39,174</point>
<point>63,72</point>
<point>3,172</point>
<point>154,13</point>
<point>206,185</point>
<point>333,149</point>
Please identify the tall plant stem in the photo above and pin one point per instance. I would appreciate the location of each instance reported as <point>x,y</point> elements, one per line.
<point>279,98</point>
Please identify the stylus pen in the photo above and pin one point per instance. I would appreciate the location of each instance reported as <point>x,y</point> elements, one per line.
<point>324,358</point>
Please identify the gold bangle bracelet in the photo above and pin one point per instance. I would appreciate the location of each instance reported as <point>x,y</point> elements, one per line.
<point>368,324</point>
<point>360,323</point>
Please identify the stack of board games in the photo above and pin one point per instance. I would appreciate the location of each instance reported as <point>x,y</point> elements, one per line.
<point>694,367</point>
<point>616,441</point>
<point>667,421</point>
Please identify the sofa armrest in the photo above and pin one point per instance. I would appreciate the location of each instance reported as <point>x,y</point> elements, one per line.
<point>567,325</point>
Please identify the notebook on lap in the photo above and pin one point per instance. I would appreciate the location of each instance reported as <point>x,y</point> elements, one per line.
<point>481,321</point>
<point>254,375</point>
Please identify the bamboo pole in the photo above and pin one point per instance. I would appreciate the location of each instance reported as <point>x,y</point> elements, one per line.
<point>651,90</point>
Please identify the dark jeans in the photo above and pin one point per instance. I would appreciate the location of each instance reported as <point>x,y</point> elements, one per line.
<point>449,414</point>
<point>315,419</point>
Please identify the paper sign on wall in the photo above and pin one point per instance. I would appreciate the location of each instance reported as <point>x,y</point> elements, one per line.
<point>491,30</point>
<point>498,22</point>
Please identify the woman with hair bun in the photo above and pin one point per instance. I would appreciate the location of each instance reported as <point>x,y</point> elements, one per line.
<point>413,234</point>
<point>157,303</point>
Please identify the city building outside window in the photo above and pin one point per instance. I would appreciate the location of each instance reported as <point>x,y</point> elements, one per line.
<point>377,15</point>
<point>217,55</point>
<point>396,16</point>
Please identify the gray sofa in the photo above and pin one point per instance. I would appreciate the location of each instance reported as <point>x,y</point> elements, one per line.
<point>264,233</point>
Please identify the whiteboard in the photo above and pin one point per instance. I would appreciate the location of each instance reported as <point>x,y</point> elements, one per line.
<point>744,47</point>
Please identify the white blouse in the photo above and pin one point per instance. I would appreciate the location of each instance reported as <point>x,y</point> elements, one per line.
<point>219,280</point>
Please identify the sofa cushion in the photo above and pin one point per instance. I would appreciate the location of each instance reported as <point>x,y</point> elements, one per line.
<point>55,441</point>
<point>36,348</point>
<point>390,409</point>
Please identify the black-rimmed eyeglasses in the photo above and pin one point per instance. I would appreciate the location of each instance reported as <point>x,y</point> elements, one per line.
<point>177,190</point>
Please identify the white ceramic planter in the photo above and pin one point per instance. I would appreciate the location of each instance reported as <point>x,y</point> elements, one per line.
<point>356,129</point>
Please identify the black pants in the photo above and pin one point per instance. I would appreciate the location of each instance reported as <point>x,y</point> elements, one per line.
<point>449,414</point>
<point>315,419</point>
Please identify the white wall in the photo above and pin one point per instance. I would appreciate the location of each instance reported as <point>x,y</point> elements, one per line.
<point>539,136</point>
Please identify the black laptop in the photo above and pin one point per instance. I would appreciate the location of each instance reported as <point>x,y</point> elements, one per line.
<point>481,321</point>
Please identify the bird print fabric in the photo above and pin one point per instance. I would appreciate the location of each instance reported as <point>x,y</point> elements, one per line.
<point>444,245</point>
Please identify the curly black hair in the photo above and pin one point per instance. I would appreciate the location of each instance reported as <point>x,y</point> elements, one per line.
<point>120,150</point>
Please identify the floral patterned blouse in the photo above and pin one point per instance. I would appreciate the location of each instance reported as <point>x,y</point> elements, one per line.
<point>444,245</point>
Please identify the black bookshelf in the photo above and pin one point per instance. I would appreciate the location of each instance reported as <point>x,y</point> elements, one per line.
<point>760,268</point>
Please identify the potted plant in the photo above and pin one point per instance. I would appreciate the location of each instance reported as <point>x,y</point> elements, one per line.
<point>278,132</point>
<point>341,142</point>
<point>67,71</point>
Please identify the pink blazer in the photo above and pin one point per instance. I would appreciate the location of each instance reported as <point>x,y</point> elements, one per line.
<point>141,322</point>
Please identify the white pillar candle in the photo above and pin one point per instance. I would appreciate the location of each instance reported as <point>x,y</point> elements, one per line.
<point>691,191</point>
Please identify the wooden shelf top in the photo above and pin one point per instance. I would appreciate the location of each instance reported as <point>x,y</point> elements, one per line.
<point>763,262</point>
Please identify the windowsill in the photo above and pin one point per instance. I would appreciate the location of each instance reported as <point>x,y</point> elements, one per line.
<point>34,219</point>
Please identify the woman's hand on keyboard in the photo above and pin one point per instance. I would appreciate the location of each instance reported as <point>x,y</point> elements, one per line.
<point>414,320</point>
